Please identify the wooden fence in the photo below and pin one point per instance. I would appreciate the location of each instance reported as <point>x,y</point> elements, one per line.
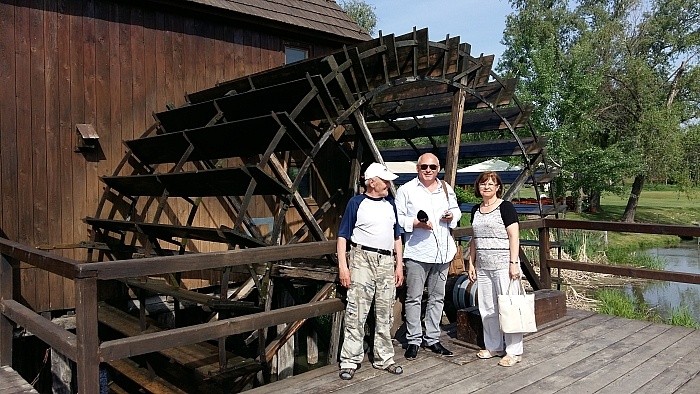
<point>84,346</point>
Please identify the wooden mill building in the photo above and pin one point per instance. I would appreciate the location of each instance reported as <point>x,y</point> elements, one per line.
<point>164,149</point>
<point>102,68</point>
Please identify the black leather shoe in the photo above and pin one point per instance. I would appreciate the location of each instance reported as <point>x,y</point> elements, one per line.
<point>439,349</point>
<point>411,352</point>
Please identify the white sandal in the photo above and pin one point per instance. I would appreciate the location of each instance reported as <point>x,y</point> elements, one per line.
<point>510,360</point>
<point>486,354</point>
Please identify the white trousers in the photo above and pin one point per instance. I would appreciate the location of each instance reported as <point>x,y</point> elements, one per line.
<point>491,283</point>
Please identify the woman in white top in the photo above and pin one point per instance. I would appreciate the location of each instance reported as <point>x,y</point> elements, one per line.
<point>494,263</point>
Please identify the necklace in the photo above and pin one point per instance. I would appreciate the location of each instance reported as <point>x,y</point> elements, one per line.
<point>485,204</point>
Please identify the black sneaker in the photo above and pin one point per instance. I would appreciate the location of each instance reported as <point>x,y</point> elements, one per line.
<point>411,352</point>
<point>439,349</point>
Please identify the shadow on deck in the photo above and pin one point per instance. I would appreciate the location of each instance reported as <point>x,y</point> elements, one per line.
<point>583,352</point>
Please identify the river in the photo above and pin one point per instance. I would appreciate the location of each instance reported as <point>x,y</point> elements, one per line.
<point>665,296</point>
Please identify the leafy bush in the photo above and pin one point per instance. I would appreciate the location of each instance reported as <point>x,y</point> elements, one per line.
<point>466,195</point>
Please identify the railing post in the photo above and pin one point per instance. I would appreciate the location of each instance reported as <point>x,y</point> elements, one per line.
<point>545,275</point>
<point>6,325</point>
<point>88,362</point>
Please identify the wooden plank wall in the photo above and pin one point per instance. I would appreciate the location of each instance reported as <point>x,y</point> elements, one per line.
<point>111,64</point>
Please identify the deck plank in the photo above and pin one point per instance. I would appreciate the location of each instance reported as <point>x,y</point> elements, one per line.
<point>384,381</point>
<point>538,350</point>
<point>602,360</point>
<point>691,386</point>
<point>581,353</point>
<point>544,366</point>
<point>603,376</point>
<point>639,377</point>
<point>681,372</point>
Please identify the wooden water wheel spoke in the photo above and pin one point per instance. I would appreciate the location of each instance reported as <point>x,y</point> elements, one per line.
<point>358,72</point>
<point>318,215</point>
<point>187,117</point>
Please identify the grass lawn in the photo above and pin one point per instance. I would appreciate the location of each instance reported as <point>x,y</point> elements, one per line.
<point>665,206</point>
<point>655,206</point>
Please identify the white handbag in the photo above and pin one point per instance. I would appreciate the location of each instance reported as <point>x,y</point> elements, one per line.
<point>516,312</point>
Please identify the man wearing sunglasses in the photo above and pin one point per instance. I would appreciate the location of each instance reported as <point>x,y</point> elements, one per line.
<point>426,214</point>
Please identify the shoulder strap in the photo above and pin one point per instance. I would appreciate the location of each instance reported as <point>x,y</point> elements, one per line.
<point>447,197</point>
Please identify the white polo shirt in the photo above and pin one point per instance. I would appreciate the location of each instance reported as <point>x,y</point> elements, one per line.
<point>436,246</point>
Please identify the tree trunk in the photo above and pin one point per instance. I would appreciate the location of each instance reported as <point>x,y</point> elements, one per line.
<point>579,201</point>
<point>631,208</point>
<point>594,202</point>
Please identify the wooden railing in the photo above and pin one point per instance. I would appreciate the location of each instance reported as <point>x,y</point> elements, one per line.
<point>546,262</point>
<point>84,346</point>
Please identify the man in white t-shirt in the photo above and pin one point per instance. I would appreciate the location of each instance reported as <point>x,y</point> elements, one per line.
<point>371,270</point>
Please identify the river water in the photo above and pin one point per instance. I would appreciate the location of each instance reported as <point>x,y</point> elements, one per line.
<point>665,296</point>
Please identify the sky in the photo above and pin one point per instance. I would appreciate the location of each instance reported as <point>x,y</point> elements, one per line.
<point>478,22</point>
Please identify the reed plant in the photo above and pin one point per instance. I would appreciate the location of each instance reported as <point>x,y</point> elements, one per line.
<point>618,303</point>
<point>682,317</point>
<point>635,258</point>
<point>582,245</point>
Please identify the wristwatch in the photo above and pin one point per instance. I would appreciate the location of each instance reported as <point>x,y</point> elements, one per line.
<point>515,262</point>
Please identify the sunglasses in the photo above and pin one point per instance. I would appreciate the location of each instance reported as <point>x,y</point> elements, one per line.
<point>426,166</point>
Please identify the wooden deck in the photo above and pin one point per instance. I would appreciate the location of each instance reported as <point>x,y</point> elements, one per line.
<point>11,382</point>
<point>581,353</point>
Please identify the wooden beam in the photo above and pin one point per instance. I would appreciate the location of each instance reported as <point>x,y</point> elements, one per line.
<point>161,287</point>
<point>358,120</point>
<point>472,122</point>
<point>644,228</point>
<point>362,125</point>
<point>298,200</point>
<point>323,273</point>
<point>119,269</point>
<point>545,274</point>
<point>455,136</point>
<point>201,356</point>
<point>58,265</point>
<point>282,338</point>
<point>153,342</point>
<point>528,271</point>
<point>87,360</point>
<point>491,93</point>
<point>527,173</point>
<point>142,377</point>
<point>336,334</point>
<point>634,272</point>
<point>56,337</point>
<point>6,326</point>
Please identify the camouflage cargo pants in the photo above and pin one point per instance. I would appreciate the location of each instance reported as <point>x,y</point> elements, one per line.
<point>372,278</point>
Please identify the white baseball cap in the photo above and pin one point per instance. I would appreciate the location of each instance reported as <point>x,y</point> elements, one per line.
<point>379,170</point>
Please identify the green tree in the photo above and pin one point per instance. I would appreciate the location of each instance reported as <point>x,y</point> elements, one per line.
<point>611,84</point>
<point>691,158</point>
<point>561,63</point>
<point>362,13</point>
